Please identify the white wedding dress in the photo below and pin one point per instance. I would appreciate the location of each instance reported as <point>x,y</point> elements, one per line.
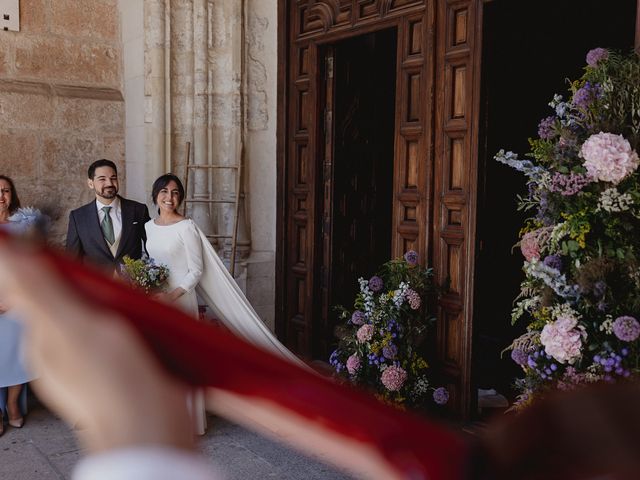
<point>195,266</point>
<point>178,246</point>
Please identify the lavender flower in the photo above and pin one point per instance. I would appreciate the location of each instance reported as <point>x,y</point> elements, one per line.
<point>626,328</point>
<point>546,129</point>
<point>390,351</point>
<point>568,185</point>
<point>376,284</point>
<point>587,94</point>
<point>411,257</point>
<point>441,396</point>
<point>358,317</point>
<point>519,356</point>
<point>596,55</point>
<point>553,261</point>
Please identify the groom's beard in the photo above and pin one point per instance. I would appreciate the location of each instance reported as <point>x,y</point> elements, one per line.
<point>108,193</point>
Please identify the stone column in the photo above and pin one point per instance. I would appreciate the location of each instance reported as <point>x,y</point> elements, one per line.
<point>156,111</point>
<point>182,84</point>
<point>200,212</point>
<point>227,114</point>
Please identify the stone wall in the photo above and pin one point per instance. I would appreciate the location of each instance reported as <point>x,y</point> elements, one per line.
<point>61,104</point>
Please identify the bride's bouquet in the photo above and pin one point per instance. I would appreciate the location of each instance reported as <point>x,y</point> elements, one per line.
<point>144,273</point>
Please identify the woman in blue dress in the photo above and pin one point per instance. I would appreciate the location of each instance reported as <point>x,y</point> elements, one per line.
<point>13,374</point>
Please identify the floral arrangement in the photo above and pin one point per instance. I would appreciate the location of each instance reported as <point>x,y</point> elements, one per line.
<point>379,344</point>
<point>581,245</point>
<point>26,219</point>
<point>144,273</point>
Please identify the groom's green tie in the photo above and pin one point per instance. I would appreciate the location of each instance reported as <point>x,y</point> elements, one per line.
<point>107,226</point>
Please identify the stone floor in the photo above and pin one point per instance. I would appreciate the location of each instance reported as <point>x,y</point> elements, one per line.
<point>46,449</point>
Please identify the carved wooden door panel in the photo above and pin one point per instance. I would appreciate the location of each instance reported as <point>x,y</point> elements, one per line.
<point>455,187</point>
<point>434,170</point>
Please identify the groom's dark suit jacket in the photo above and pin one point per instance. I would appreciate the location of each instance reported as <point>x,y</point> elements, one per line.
<point>85,239</point>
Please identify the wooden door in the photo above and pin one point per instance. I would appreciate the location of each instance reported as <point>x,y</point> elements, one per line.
<point>358,131</point>
<point>308,28</point>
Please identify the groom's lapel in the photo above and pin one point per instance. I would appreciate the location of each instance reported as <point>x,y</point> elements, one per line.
<point>127,222</point>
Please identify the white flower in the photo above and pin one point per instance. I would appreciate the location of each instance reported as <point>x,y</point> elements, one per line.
<point>611,200</point>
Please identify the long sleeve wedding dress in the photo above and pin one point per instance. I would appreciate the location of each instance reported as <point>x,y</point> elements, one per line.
<point>195,266</point>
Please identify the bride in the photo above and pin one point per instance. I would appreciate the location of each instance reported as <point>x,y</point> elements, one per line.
<point>194,266</point>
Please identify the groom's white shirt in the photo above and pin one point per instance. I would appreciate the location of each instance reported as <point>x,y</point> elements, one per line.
<point>116,215</point>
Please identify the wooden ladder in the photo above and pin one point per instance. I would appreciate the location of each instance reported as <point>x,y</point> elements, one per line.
<point>212,200</point>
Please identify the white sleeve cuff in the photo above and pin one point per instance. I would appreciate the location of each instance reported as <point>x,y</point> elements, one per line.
<point>144,463</point>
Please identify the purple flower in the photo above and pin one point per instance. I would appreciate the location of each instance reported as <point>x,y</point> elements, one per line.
<point>568,184</point>
<point>596,55</point>
<point>546,128</point>
<point>375,284</point>
<point>441,396</point>
<point>626,328</point>
<point>358,318</point>
<point>390,351</point>
<point>519,356</point>
<point>411,257</point>
<point>585,95</point>
<point>553,261</point>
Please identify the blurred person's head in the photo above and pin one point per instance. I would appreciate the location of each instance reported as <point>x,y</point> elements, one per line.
<point>9,201</point>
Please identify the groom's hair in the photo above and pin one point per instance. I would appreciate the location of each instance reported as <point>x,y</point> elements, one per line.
<point>103,162</point>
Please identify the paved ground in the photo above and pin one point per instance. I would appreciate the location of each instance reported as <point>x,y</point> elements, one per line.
<point>45,448</point>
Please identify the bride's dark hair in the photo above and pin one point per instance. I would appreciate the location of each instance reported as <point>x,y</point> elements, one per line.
<point>162,182</point>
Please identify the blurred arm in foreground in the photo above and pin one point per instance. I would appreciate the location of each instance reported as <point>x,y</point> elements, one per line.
<point>96,368</point>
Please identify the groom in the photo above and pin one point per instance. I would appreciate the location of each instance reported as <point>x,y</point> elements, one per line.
<point>110,227</point>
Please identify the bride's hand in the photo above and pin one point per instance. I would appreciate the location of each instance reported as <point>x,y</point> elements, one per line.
<point>161,297</point>
<point>169,297</point>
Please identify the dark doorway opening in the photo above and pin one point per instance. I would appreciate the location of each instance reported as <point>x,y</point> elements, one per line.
<point>529,49</point>
<point>361,166</point>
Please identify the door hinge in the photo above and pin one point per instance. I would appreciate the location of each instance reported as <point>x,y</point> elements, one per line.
<point>330,66</point>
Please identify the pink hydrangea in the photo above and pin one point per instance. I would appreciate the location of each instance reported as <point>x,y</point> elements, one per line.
<point>529,246</point>
<point>393,378</point>
<point>562,339</point>
<point>353,364</point>
<point>364,333</point>
<point>413,298</point>
<point>608,157</point>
